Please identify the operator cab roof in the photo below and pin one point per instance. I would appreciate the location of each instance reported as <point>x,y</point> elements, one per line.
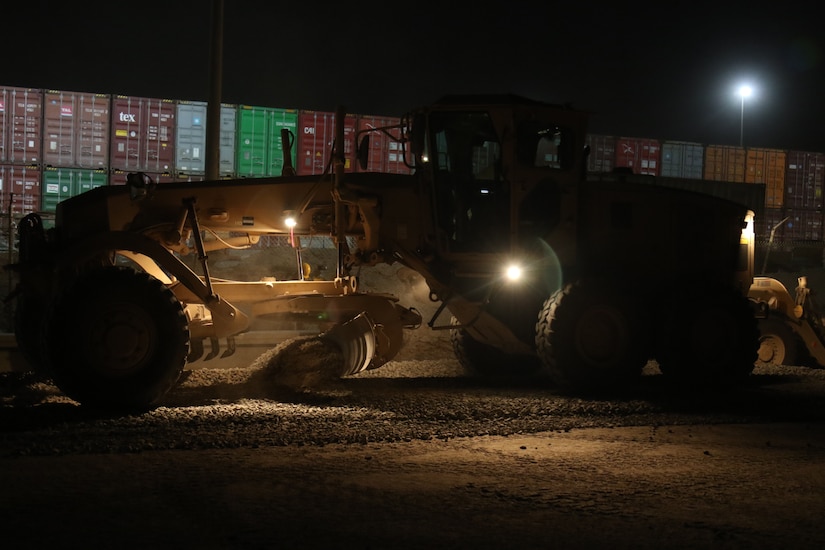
<point>494,99</point>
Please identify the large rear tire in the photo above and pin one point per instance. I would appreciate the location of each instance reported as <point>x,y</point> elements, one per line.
<point>591,337</point>
<point>116,339</point>
<point>712,342</point>
<point>486,360</point>
<point>777,343</point>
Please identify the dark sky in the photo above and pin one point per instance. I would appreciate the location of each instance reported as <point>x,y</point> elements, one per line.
<point>665,70</point>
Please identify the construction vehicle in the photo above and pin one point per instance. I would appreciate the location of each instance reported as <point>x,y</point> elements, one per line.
<point>534,265</point>
<point>791,330</point>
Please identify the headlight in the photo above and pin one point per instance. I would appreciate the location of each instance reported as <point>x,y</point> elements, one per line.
<point>513,272</point>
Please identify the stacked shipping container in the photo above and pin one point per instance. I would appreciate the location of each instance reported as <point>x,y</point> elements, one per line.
<point>75,144</point>
<point>638,154</point>
<point>602,157</point>
<point>793,180</point>
<point>316,136</point>
<point>682,159</point>
<point>190,140</point>
<point>386,153</point>
<point>21,127</point>
<point>804,179</point>
<point>54,144</point>
<point>259,145</point>
<point>20,186</point>
<point>143,134</point>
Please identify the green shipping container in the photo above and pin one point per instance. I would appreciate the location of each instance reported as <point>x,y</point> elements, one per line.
<point>61,183</point>
<point>259,147</point>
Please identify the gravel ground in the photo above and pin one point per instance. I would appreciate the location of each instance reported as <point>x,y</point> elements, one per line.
<point>416,454</point>
<point>401,401</point>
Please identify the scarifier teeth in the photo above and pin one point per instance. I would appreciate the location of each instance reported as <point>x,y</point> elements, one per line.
<point>216,348</point>
<point>230,347</point>
<point>195,350</point>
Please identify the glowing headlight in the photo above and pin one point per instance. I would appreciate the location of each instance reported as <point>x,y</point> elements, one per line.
<point>290,222</point>
<point>513,272</point>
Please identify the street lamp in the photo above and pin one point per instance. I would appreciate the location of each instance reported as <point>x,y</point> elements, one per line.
<point>744,91</point>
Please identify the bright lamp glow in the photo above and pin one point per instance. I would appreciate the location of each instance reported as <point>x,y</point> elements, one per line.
<point>513,272</point>
<point>290,222</point>
<point>745,91</point>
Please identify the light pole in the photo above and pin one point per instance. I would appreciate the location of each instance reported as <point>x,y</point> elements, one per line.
<point>744,91</point>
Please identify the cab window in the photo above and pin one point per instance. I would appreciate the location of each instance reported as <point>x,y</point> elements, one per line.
<point>543,145</point>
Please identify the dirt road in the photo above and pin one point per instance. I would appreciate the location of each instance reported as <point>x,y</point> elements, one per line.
<point>752,486</point>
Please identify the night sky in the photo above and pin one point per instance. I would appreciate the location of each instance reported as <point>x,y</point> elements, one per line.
<point>665,70</point>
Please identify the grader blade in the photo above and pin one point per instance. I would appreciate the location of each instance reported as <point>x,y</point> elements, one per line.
<point>367,327</point>
<point>357,341</point>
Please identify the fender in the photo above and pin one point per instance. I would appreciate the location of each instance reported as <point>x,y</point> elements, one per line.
<point>158,261</point>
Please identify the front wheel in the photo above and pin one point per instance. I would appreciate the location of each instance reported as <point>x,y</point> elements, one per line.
<point>777,343</point>
<point>591,336</point>
<point>116,339</point>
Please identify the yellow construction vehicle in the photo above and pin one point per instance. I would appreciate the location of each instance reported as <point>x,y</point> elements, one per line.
<point>790,326</point>
<point>534,264</point>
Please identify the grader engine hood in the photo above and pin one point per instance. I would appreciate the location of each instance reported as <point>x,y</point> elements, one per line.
<point>258,206</point>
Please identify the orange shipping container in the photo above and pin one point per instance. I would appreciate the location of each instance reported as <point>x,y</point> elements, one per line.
<point>725,163</point>
<point>767,166</point>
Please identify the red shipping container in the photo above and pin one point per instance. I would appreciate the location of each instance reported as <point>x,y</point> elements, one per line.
<point>316,135</point>
<point>20,188</point>
<point>143,134</point>
<point>767,221</point>
<point>21,125</point>
<point>76,129</point>
<point>386,153</point>
<point>638,154</point>
<point>602,156</point>
<point>804,180</point>
<point>803,225</point>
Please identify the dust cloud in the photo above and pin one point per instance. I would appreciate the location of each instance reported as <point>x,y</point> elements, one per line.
<point>299,364</point>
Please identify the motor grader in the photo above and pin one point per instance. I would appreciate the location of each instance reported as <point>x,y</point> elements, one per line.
<point>533,266</point>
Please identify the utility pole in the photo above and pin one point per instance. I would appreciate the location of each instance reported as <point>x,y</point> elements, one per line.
<point>213,112</point>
